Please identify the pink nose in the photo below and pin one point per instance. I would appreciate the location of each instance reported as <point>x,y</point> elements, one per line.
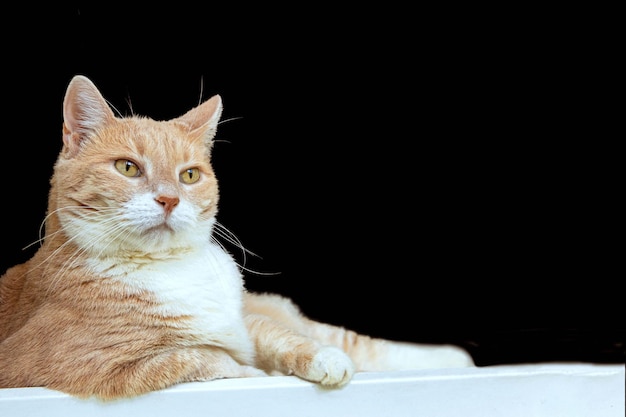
<point>168,203</point>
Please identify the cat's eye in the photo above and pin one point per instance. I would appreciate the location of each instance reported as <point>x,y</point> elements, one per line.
<point>127,168</point>
<point>189,176</point>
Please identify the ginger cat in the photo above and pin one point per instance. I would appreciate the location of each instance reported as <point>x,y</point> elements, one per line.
<point>131,292</point>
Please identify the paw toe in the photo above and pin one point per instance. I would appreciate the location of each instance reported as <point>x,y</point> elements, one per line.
<point>331,367</point>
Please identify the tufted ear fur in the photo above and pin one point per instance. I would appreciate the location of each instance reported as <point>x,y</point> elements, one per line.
<point>203,119</point>
<point>84,112</point>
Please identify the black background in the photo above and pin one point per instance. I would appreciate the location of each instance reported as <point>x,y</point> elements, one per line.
<point>409,174</point>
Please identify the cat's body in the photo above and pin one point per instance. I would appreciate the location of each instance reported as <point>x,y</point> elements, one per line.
<point>129,291</point>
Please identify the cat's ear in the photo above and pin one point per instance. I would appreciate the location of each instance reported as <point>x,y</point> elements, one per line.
<point>84,111</point>
<point>202,120</point>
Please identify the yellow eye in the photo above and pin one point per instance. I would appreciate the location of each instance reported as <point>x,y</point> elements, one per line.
<point>127,168</point>
<point>189,176</point>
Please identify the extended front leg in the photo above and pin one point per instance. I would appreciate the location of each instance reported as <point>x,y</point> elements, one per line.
<point>281,349</point>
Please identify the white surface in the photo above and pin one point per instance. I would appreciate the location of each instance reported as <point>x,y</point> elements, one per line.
<point>517,390</point>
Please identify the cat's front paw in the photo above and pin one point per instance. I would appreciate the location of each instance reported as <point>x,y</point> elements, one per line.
<point>330,366</point>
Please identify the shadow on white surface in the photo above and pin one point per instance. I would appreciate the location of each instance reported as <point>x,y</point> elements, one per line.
<point>559,389</point>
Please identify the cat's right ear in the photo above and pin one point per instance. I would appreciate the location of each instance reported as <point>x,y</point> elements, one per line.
<point>84,111</point>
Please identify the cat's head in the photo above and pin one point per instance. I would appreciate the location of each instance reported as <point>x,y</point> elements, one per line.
<point>133,183</point>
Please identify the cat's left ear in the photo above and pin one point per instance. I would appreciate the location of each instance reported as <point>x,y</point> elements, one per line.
<point>202,120</point>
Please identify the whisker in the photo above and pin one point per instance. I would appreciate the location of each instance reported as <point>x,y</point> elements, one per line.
<point>220,231</point>
<point>43,222</point>
<point>201,90</point>
<point>106,216</point>
<point>229,120</point>
<point>231,238</point>
<point>119,113</point>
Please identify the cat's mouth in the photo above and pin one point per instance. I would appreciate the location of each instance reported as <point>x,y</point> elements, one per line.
<point>159,229</point>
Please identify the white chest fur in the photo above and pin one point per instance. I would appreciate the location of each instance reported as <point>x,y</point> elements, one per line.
<point>205,285</point>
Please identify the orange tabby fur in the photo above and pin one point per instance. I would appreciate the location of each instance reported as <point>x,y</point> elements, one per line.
<point>129,292</point>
